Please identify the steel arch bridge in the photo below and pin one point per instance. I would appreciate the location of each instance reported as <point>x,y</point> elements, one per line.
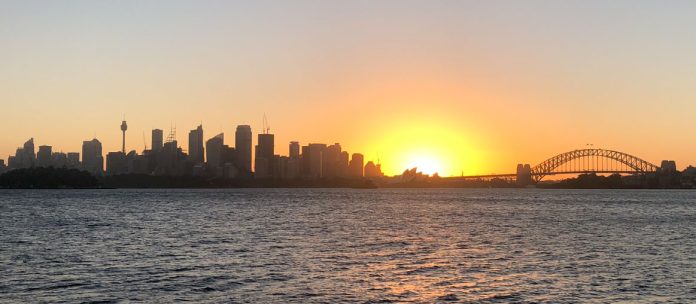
<point>591,161</point>
<point>580,161</point>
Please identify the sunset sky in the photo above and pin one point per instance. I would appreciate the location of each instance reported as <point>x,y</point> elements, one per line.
<point>451,86</point>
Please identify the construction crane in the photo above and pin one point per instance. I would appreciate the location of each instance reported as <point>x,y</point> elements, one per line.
<point>266,126</point>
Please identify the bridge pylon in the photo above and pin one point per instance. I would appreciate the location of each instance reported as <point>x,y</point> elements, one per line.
<point>524,174</point>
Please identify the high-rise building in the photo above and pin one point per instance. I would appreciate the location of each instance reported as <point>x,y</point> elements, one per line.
<point>214,153</point>
<point>263,167</point>
<point>59,160</point>
<point>294,149</point>
<point>372,170</point>
<point>73,160</point>
<point>242,144</point>
<point>3,168</point>
<point>26,156</point>
<point>92,159</point>
<point>314,160</point>
<point>157,140</point>
<point>116,163</point>
<point>292,166</point>
<point>330,161</point>
<point>196,150</point>
<point>43,158</point>
<point>356,165</point>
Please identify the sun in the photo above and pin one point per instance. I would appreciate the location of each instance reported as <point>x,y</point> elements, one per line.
<point>425,164</point>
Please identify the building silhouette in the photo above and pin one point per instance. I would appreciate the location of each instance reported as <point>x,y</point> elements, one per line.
<point>92,159</point>
<point>73,161</point>
<point>263,166</point>
<point>116,163</point>
<point>157,140</point>
<point>124,127</point>
<point>43,157</point>
<point>59,160</point>
<point>214,149</point>
<point>313,160</point>
<point>196,151</point>
<point>357,163</point>
<point>242,144</point>
<point>292,164</point>
<point>373,170</point>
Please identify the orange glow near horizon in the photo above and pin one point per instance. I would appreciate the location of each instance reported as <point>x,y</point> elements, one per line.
<point>430,147</point>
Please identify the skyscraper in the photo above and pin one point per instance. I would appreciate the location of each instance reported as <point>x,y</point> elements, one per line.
<point>157,140</point>
<point>242,143</point>
<point>214,153</point>
<point>92,159</point>
<point>43,158</point>
<point>356,165</point>
<point>294,149</point>
<point>264,156</point>
<point>196,150</point>
<point>292,168</point>
<point>315,160</point>
<point>28,157</point>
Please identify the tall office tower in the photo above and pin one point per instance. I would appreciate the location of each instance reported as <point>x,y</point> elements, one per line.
<point>292,163</point>
<point>28,157</point>
<point>43,158</point>
<point>356,165</point>
<point>59,160</point>
<point>92,159</point>
<point>73,161</point>
<point>294,149</point>
<point>242,144</point>
<point>329,161</point>
<point>343,162</point>
<point>157,140</point>
<point>3,168</point>
<point>214,153</point>
<point>314,156</point>
<point>124,127</point>
<point>196,150</point>
<point>263,167</point>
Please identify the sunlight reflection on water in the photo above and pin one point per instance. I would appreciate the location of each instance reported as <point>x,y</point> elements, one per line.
<point>333,245</point>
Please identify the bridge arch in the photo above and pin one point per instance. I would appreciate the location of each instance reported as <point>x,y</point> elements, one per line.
<point>593,160</point>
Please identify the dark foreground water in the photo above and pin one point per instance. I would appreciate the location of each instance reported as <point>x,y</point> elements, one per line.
<point>332,246</point>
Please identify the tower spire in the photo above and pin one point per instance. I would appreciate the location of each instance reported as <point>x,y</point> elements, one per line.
<point>124,127</point>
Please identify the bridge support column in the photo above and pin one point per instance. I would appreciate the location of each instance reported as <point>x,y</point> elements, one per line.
<point>524,174</point>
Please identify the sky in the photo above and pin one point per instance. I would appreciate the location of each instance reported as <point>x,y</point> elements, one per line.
<point>458,87</point>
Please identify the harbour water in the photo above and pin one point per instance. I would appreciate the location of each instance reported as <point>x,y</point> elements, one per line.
<point>347,246</point>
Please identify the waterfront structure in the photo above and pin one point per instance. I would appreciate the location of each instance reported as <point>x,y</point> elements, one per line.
<point>196,151</point>
<point>242,144</point>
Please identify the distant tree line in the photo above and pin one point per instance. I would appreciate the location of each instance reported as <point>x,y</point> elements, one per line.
<point>47,178</point>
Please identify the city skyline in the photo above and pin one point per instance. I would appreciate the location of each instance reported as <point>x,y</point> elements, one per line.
<point>459,86</point>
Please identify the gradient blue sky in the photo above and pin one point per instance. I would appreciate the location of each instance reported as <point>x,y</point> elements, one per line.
<point>476,86</point>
